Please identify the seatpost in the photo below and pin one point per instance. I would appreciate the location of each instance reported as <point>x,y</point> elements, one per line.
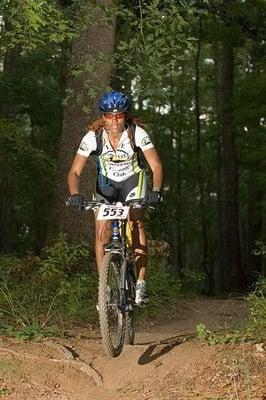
<point>115,226</point>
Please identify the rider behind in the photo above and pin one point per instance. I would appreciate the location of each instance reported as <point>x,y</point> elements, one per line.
<point>120,175</point>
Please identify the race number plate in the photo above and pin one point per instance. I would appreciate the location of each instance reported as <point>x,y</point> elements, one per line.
<point>112,212</point>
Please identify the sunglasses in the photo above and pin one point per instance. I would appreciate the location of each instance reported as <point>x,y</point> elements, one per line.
<point>120,115</point>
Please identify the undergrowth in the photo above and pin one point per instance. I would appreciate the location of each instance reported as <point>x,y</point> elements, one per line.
<point>40,296</point>
<point>253,329</point>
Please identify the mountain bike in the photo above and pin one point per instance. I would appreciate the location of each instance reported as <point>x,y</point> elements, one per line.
<point>117,280</point>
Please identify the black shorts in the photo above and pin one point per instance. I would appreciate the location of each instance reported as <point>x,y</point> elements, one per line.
<point>112,191</point>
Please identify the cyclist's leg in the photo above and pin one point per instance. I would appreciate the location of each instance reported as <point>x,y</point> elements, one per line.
<point>102,236</point>
<point>139,243</point>
<point>106,192</point>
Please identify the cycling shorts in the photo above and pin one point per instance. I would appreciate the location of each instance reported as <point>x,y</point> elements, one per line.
<point>111,191</point>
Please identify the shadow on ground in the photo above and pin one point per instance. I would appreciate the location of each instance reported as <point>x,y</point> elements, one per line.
<point>156,350</point>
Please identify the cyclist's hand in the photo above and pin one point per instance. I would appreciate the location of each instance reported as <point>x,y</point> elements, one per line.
<point>153,197</point>
<point>76,202</point>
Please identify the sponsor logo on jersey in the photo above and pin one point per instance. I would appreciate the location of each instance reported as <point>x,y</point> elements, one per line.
<point>145,141</point>
<point>83,146</point>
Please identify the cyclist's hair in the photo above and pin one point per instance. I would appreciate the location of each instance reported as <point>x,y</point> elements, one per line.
<point>98,125</point>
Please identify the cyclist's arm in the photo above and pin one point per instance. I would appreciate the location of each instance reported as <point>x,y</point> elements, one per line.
<point>75,172</point>
<point>155,164</point>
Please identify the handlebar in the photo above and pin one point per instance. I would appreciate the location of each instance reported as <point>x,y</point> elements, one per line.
<point>135,203</point>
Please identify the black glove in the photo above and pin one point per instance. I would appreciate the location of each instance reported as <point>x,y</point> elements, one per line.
<point>76,201</point>
<point>153,197</point>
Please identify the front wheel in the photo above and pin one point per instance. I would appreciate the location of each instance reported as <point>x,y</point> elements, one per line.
<point>130,327</point>
<point>112,318</point>
<point>130,314</point>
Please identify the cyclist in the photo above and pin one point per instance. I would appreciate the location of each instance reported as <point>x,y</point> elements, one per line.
<point>117,140</point>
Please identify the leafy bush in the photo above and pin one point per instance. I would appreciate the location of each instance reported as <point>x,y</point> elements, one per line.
<point>37,293</point>
<point>79,297</point>
<point>256,323</point>
<point>64,258</point>
<point>221,337</point>
<point>253,329</point>
<point>164,289</point>
<point>193,281</point>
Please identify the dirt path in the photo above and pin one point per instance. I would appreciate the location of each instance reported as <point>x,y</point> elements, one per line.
<point>164,364</point>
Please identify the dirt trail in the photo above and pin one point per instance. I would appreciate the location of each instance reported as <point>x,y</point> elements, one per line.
<point>164,364</point>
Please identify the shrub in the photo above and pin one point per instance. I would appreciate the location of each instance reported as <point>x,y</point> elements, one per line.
<point>64,258</point>
<point>164,289</point>
<point>38,293</point>
<point>256,323</point>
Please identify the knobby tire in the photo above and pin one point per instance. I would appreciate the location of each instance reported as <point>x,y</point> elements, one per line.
<point>130,315</point>
<point>130,328</point>
<point>112,337</point>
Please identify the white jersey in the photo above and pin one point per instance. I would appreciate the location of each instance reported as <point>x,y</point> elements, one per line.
<point>119,164</point>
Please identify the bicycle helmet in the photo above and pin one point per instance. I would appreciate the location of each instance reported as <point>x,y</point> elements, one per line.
<point>114,102</point>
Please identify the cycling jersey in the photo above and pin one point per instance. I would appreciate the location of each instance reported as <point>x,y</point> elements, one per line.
<point>120,164</point>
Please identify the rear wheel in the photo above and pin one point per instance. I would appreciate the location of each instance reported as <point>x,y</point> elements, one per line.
<point>112,319</point>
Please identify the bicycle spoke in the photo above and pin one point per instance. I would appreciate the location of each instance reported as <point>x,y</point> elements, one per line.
<point>112,319</point>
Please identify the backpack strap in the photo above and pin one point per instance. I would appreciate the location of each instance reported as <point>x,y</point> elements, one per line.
<point>99,142</point>
<point>136,149</point>
<point>132,129</point>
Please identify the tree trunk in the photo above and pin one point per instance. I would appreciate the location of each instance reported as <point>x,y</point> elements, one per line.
<point>82,107</point>
<point>220,238</point>
<point>8,110</point>
<point>204,259</point>
<point>233,277</point>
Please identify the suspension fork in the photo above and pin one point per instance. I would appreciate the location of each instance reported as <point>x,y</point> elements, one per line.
<point>124,263</point>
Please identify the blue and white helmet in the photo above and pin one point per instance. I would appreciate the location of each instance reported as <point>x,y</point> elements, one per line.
<point>114,102</point>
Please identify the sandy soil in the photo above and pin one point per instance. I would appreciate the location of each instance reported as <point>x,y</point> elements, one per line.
<point>166,363</point>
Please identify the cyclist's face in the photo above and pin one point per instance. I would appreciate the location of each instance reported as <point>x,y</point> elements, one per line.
<point>114,122</point>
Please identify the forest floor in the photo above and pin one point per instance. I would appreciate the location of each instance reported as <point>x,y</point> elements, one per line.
<point>167,362</point>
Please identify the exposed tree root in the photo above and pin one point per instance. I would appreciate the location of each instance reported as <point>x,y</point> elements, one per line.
<point>70,361</point>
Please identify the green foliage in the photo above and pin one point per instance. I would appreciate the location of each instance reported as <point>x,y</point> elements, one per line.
<point>162,39</point>
<point>37,295</point>
<point>193,281</point>
<point>16,146</point>
<point>164,289</point>
<point>33,332</point>
<point>155,53</point>
<point>25,167</point>
<point>214,338</point>
<point>30,24</point>
<point>63,258</point>
<point>79,296</point>
<point>256,323</point>
<point>254,328</point>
